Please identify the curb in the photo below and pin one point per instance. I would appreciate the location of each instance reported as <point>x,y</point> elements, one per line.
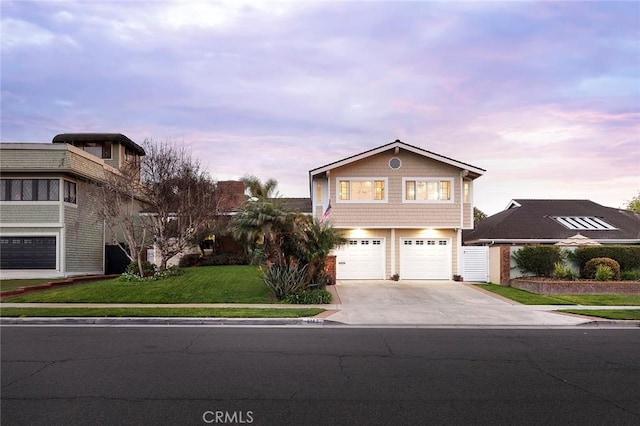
<point>158,321</point>
<point>618,323</point>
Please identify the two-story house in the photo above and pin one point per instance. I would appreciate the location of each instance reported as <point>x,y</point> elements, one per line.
<point>403,210</point>
<point>47,226</point>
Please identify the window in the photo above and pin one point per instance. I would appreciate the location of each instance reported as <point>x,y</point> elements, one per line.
<point>70,192</point>
<point>319,192</point>
<point>99,149</point>
<point>29,189</point>
<point>357,190</point>
<point>419,190</point>
<point>584,223</point>
<point>467,192</point>
<point>130,156</point>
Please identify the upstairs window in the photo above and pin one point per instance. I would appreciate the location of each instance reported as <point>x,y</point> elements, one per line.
<point>427,190</point>
<point>130,156</point>
<point>99,149</point>
<point>362,190</point>
<point>467,191</point>
<point>70,192</point>
<point>29,189</point>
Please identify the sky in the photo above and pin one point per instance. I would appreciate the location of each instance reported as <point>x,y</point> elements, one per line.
<point>543,95</point>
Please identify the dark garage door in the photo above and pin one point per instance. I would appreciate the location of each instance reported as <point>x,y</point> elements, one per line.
<point>28,253</point>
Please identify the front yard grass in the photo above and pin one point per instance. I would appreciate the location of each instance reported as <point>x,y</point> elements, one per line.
<point>613,314</point>
<point>527,298</point>
<point>162,312</point>
<point>208,284</point>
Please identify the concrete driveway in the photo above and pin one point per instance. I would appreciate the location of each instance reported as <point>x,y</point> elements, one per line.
<point>435,303</point>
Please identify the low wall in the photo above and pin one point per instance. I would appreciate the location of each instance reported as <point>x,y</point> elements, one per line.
<point>576,287</point>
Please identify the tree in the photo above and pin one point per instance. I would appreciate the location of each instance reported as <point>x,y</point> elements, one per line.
<point>180,197</point>
<point>314,242</point>
<point>478,215</point>
<point>266,223</point>
<point>634,204</point>
<point>117,201</point>
<point>259,190</point>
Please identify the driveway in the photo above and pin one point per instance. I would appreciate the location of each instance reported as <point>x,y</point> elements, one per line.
<point>435,303</point>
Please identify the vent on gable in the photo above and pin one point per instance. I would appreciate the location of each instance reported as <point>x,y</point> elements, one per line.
<point>395,163</point>
<point>584,223</point>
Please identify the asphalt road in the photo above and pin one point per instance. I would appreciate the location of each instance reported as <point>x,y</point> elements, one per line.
<point>318,376</point>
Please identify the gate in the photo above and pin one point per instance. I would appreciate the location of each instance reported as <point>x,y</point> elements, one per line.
<point>475,263</point>
<point>115,261</point>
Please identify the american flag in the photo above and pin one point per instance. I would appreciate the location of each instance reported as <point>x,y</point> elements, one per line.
<point>326,214</point>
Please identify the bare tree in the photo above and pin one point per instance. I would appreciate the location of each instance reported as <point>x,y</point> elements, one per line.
<point>117,200</point>
<point>180,195</point>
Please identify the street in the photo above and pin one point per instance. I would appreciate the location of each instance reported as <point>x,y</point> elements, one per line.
<point>318,376</point>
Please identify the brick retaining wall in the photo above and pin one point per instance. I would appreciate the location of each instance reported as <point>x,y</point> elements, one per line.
<point>576,287</point>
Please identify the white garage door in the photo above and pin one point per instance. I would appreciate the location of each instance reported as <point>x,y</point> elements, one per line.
<point>425,259</point>
<point>361,259</point>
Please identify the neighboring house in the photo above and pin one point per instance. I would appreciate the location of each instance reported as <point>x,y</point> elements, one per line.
<point>403,210</point>
<point>561,222</point>
<point>552,221</point>
<point>47,228</point>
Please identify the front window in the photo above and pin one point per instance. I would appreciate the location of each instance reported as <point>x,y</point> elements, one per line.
<point>29,189</point>
<point>362,190</point>
<point>426,190</point>
<point>467,191</point>
<point>319,192</point>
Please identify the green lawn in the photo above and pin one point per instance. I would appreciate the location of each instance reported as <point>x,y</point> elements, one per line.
<point>6,285</point>
<point>162,312</point>
<point>613,314</point>
<point>527,298</point>
<point>211,284</point>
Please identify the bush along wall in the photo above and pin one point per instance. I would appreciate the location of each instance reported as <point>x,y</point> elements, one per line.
<point>538,260</point>
<point>628,257</point>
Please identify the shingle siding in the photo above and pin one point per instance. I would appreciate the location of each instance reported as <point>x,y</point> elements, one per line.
<point>84,245</point>
<point>394,212</point>
<point>29,212</point>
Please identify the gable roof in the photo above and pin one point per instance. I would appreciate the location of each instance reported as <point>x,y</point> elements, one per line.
<point>302,205</point>
<point>70,138</point>
<point>545,221</point>
<point>474,171</point>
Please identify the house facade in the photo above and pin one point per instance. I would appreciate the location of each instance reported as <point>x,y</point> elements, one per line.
<point>47,226</point>
<point>402,208</point>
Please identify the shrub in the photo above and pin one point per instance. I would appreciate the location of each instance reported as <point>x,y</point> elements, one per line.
<point>603,273</point>
<point>321,280</point>
<point>309,297</point>
<point>591,267</point>
<point>285,279</point>
<point>148,269</point>
<point>189,260</point>
<point>563,272</point>
<point>630,275</point>
<point>538,260</point>
<point>627,256</point>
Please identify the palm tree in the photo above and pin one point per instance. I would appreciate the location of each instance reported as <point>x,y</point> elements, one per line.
<point>259,190</point>
<point>265,223</point>
<point>314,243</point>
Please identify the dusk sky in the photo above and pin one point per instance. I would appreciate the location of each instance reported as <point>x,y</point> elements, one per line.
<point>543,95</point>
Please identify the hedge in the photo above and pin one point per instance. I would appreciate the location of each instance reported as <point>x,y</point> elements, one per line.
<point>627,256</point>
